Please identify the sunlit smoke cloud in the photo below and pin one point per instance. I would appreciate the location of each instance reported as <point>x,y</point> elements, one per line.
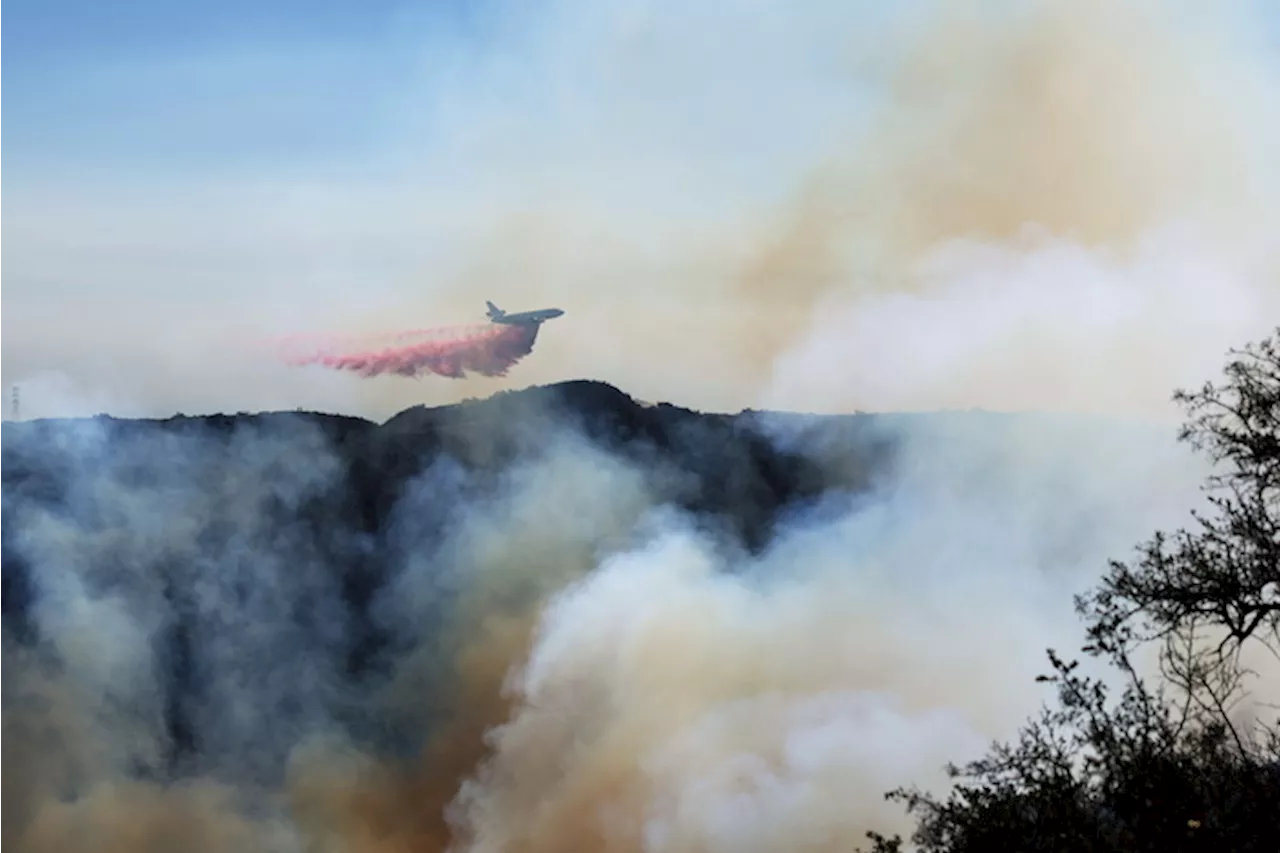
<point>1048,210</point>
<point>680,698</point>
<point>1043,323</point>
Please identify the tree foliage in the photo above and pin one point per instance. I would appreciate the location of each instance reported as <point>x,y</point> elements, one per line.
<point>1179,764</point>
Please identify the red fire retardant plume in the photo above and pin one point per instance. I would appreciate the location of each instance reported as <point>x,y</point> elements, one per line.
<point>454,351</point>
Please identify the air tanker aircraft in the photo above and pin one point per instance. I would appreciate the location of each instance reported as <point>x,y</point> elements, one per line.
<point>524,318</point>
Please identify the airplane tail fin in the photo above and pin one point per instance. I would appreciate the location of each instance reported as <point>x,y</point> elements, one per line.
<point>494,311</point>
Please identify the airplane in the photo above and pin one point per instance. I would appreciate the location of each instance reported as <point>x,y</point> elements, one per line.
<point>525,318</point>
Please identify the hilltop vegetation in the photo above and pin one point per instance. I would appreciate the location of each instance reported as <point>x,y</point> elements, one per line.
<point>1172,763</point>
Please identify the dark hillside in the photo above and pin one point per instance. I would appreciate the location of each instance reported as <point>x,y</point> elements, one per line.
<point>192,599</point>
<point>157,505</point>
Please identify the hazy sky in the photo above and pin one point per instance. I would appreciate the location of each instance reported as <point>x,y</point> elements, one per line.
<point>723,203</point>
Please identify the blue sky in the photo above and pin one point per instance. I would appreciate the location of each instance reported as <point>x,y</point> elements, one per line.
<point>140,88</point>
<point>136,93</point>
<point>68,29</point>
<point>150,86</point>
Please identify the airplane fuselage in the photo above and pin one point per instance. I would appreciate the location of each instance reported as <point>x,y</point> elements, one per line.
<point>523,318</point>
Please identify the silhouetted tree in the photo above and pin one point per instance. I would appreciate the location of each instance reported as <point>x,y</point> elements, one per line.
<point>1209,592</point>
<point>1167,768</point>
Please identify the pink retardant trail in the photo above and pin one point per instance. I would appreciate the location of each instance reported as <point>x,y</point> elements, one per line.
<point>453,351</point>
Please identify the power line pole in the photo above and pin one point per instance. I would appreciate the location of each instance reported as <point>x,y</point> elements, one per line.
<point>14,412</point>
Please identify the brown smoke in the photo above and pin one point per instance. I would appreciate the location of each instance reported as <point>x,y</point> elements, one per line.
<point>663,709</point>
<point>62,791</point>
<point>544,535</point>
<point>1095,122</point>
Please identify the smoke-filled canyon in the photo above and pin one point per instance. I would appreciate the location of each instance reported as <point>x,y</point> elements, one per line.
<point>556,618</point>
